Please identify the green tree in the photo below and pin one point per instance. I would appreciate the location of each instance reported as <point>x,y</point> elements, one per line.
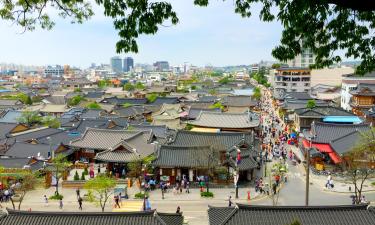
<point>138,167</point>
<point>225,80</point>
<point>58,167</point>
<point>28,101</point>
<point>139,86</point>
<point>29,118</point>
<point>212,92</point>
<point>77,90</point>
<point>257,93</point>
<point>101,185</point>
<point>311,104</point>
<point>50,121</point>
<point>93,105</point>
<point>27,183</point>
<point>358,171</point>
<point>217,105</point>
<point>152,97</point>
<point>129,87</point>
<point>75,100</point>
<point>126,105</point>
<point>36,99</point>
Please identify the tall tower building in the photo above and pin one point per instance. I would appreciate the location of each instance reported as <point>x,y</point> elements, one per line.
<point>128,64</point>
<point>304,60</point>
<point>116,64</point>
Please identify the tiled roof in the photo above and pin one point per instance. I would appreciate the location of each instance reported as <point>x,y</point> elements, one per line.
<point>194,112</point>
<point>208,98</point>
<point>10,116</point>
<point>95,94</point>
<point>130,111</point>
<point>346,143</point>
<point>93,218</point>
<point>121,101</point>
<point>91,114</point>
<point>220,141</point>
<point>364,89</point>
<point>6,102</point>
<point>21,149</point>
<point>34,134</point>
<point>226,120</point>
<point>117,156</point>
<point>14,162</point>
<point>161,131</point>
<point>5,128</point>
<point>103,139</point>
<point>239,101</point>
<point>165,100</point>
<point>297,95</point>
<point>177,156</point>
<point>298,104</point>
<point>323,111</point>
<point>58,100</point>
<point>327,132</point>
<point>281,215</point>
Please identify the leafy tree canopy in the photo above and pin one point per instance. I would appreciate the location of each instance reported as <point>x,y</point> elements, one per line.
<point>93,105</point>
<point>50,121</point>
<point>332,25</point>
<point>29,118</point>
<point>129,87</point>
<point>152,97</point>
<point>75,100</point>
<point>139,86</point>
<point>311,104</point>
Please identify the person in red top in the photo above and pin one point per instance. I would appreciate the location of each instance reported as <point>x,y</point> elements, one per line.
<point>277,179</point>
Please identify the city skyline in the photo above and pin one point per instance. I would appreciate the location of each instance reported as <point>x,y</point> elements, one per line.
<point>202,33</point>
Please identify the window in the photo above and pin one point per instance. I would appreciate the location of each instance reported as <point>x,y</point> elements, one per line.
<point>311,60</point>
<point>294,90</point>
<point>306,84</point>
<point>306,90</point>
<point>294,84</point>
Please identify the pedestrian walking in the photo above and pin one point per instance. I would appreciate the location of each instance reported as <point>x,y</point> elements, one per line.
<point>187,187</point>
<point>78,192</point>
<point>116,198</point>
<point>178,210</point>
<point>61,205</point>
<point>45,199</point>
<point>230,201</point>
<point>80,200</point>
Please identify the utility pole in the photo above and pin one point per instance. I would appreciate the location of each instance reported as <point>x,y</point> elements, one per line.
<point>308,173</point>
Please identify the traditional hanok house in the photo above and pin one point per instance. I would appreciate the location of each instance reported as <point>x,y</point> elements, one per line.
<point>370,116</point>
<point>7,129</point>
<point>150,217</point>
<point>48,109</point>
<point>238,104</point>
<point>168,115</point>
<point>332,142</point>
<point>277,215</point>
<point>165,100</point>
<point>239,122</point>
<point>10,116</point>
<point>363,98</point>
<point>189,153</point>
<point>115,147</point>
<point>10,104</point>
<point>305,116</point>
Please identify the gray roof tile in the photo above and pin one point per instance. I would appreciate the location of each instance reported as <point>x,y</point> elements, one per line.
<point>92,218</point>
<point>281,215</point>
<point>226,120</point>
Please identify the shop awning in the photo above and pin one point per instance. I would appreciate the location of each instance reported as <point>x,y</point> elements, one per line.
<point>321,147</point>
<point>324,148</point>
<point>335,158</point>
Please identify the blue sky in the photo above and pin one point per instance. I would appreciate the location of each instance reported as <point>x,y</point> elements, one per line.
<point>212,35</point>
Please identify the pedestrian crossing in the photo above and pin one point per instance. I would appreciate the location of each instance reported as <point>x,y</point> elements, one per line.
<point>129,206</point>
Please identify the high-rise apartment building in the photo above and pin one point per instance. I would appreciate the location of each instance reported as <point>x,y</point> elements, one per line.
<point>304,60</point>
<point>116,64</point>
<point>161,66</point>
<point>54,71</point>
<point>292,79</point>
<point>128,64</point>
